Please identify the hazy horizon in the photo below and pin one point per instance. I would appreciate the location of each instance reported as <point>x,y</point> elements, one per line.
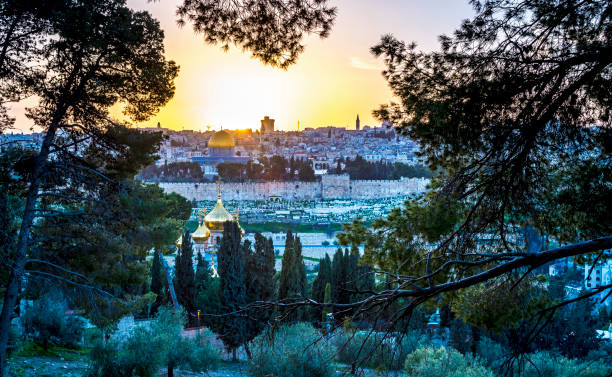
<point>334,80</point>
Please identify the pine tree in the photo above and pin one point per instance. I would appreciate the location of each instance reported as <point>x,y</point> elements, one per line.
<point>232,291</point>
<point>184,275</point>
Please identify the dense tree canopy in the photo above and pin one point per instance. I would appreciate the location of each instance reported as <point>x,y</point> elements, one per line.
<point>88,56</point>
<point>514,114</point>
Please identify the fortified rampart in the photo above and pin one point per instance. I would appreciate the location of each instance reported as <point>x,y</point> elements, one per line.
<point>330,187</point>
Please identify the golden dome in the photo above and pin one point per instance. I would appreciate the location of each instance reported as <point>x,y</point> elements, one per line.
<point>219,215</point>
<point>221,139</point>
<point>201,234</point>
<point>179,242</point>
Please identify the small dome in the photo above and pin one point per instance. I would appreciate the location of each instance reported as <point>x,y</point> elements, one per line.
<point>201,234</point>
<point>221,139</point>
<point>217,217</point>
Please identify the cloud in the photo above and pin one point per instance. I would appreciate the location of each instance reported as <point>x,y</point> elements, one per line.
<point>359,63</point>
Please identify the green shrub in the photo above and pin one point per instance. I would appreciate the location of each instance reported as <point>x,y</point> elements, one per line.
<point>547,364</point>
<point>292,351</point>
<point>45,322</point>
<point>377,350</point>
<point>443,362</point>
<point>150,348</point>
<point>492,354</point>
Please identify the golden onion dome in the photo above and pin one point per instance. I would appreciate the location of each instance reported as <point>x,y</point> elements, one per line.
<point>179,242</point>
<point>219,215</point>
<point>201,234</point>
<point>221,139</point>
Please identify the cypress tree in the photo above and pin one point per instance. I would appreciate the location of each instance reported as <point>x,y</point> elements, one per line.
<point>232,291</point>
<point>300,268</point>
<point>293,276</point>
<point>319,284</point>
<point>338,278</point>
<point>202,275</point>
<point>260,285</point>
<point>206,293</point>
<point>284,285</point>
<point>326,299</point>
<point>184,276</point>
<point>157,285</point>
<point>300,279</point>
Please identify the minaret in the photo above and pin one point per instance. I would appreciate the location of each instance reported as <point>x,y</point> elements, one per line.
<point>357,123</point>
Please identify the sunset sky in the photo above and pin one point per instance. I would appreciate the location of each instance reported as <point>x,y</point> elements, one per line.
<point>334,80</point>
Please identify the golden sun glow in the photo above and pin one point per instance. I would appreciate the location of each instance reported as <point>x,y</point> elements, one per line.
<point>334,80</point>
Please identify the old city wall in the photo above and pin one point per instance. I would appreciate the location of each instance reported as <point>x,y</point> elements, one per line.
<point>246,191</point>
<point>330,187</point>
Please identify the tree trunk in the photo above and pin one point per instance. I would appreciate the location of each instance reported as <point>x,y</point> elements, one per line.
<point>7,41</point>
<point>13,286</point>
<point>170,370</point>
<point>234,359</point>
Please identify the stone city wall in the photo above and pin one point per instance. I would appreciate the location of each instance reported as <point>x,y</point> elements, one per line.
<point>330,187</point>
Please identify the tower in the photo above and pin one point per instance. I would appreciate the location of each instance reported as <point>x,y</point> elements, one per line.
<point>357,123</point>
<point>267,125</point>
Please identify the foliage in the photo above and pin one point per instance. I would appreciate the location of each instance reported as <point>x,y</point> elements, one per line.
<point>147,349</point>
<point>505,108</point>
<point>259,276</point>
<point>46,322</point>
<point>292,281</point>
<point>443,362</point>
<point>492,354</point>
<point>513,112</point>
<point>139,218</point>
<point>359,168</point>
<point>546,364</point>
<point>232,290</point>
<point>173,172</point>
<point>157,280</point>
<point>501,303</point>
<point>207,299</point>
<point>381,351</point>
<point>571,331</point>
<point>319,284</point>
<point>292,351</point>
<point>276,168</point>
<point>78,59</point>
<point>244,23</point>
<point>184,276</point>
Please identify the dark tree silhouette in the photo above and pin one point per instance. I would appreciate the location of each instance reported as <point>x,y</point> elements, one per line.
<point>232,290</point>
<point>184,275</point>
<point>272,31</point>
<point>92,55</point>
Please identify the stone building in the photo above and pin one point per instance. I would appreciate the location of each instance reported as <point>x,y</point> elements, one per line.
<point>267,125</point>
